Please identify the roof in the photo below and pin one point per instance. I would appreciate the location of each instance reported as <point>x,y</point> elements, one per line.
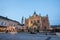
<point>9,19</point>
<point>55,26</point>
<point>36,15</point>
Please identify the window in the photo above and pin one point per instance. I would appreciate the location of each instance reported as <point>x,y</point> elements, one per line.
<point>2,23</point>
<point>34,21</point>
<point>31,21</point>
<point>44,27</point>
<point>14,24</point>
<point>38,21</point>
<point>44,20</point>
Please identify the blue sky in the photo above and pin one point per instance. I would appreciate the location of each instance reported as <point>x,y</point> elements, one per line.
<point>15,9</point>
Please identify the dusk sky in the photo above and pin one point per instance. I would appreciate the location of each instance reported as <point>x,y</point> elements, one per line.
<point>15,9</point>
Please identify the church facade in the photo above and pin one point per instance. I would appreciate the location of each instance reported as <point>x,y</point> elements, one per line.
<point>37,22</point>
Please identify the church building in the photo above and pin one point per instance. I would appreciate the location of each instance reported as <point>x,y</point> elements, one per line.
<point>37,23</point>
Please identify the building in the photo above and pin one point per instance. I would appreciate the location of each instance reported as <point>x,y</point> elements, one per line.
<point>10,24</point>
<point>55,28</point>
<point>37,22</point>
<point>3,28</point>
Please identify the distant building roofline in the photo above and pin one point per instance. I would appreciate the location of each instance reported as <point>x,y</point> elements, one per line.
<point>2,17</point>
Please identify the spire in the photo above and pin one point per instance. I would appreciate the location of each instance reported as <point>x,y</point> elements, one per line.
<point>46,15</point>
<point>34,13</point>
<point>22,20</point>
<point>39,14</point>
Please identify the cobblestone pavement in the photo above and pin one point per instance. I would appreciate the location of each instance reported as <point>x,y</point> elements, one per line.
<point>27,36</point>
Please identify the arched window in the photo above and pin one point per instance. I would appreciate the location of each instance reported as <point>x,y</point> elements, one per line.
<point>31,21</point>
<point>44,20</point>
<point>38,21</point>
<point>45,28</point>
